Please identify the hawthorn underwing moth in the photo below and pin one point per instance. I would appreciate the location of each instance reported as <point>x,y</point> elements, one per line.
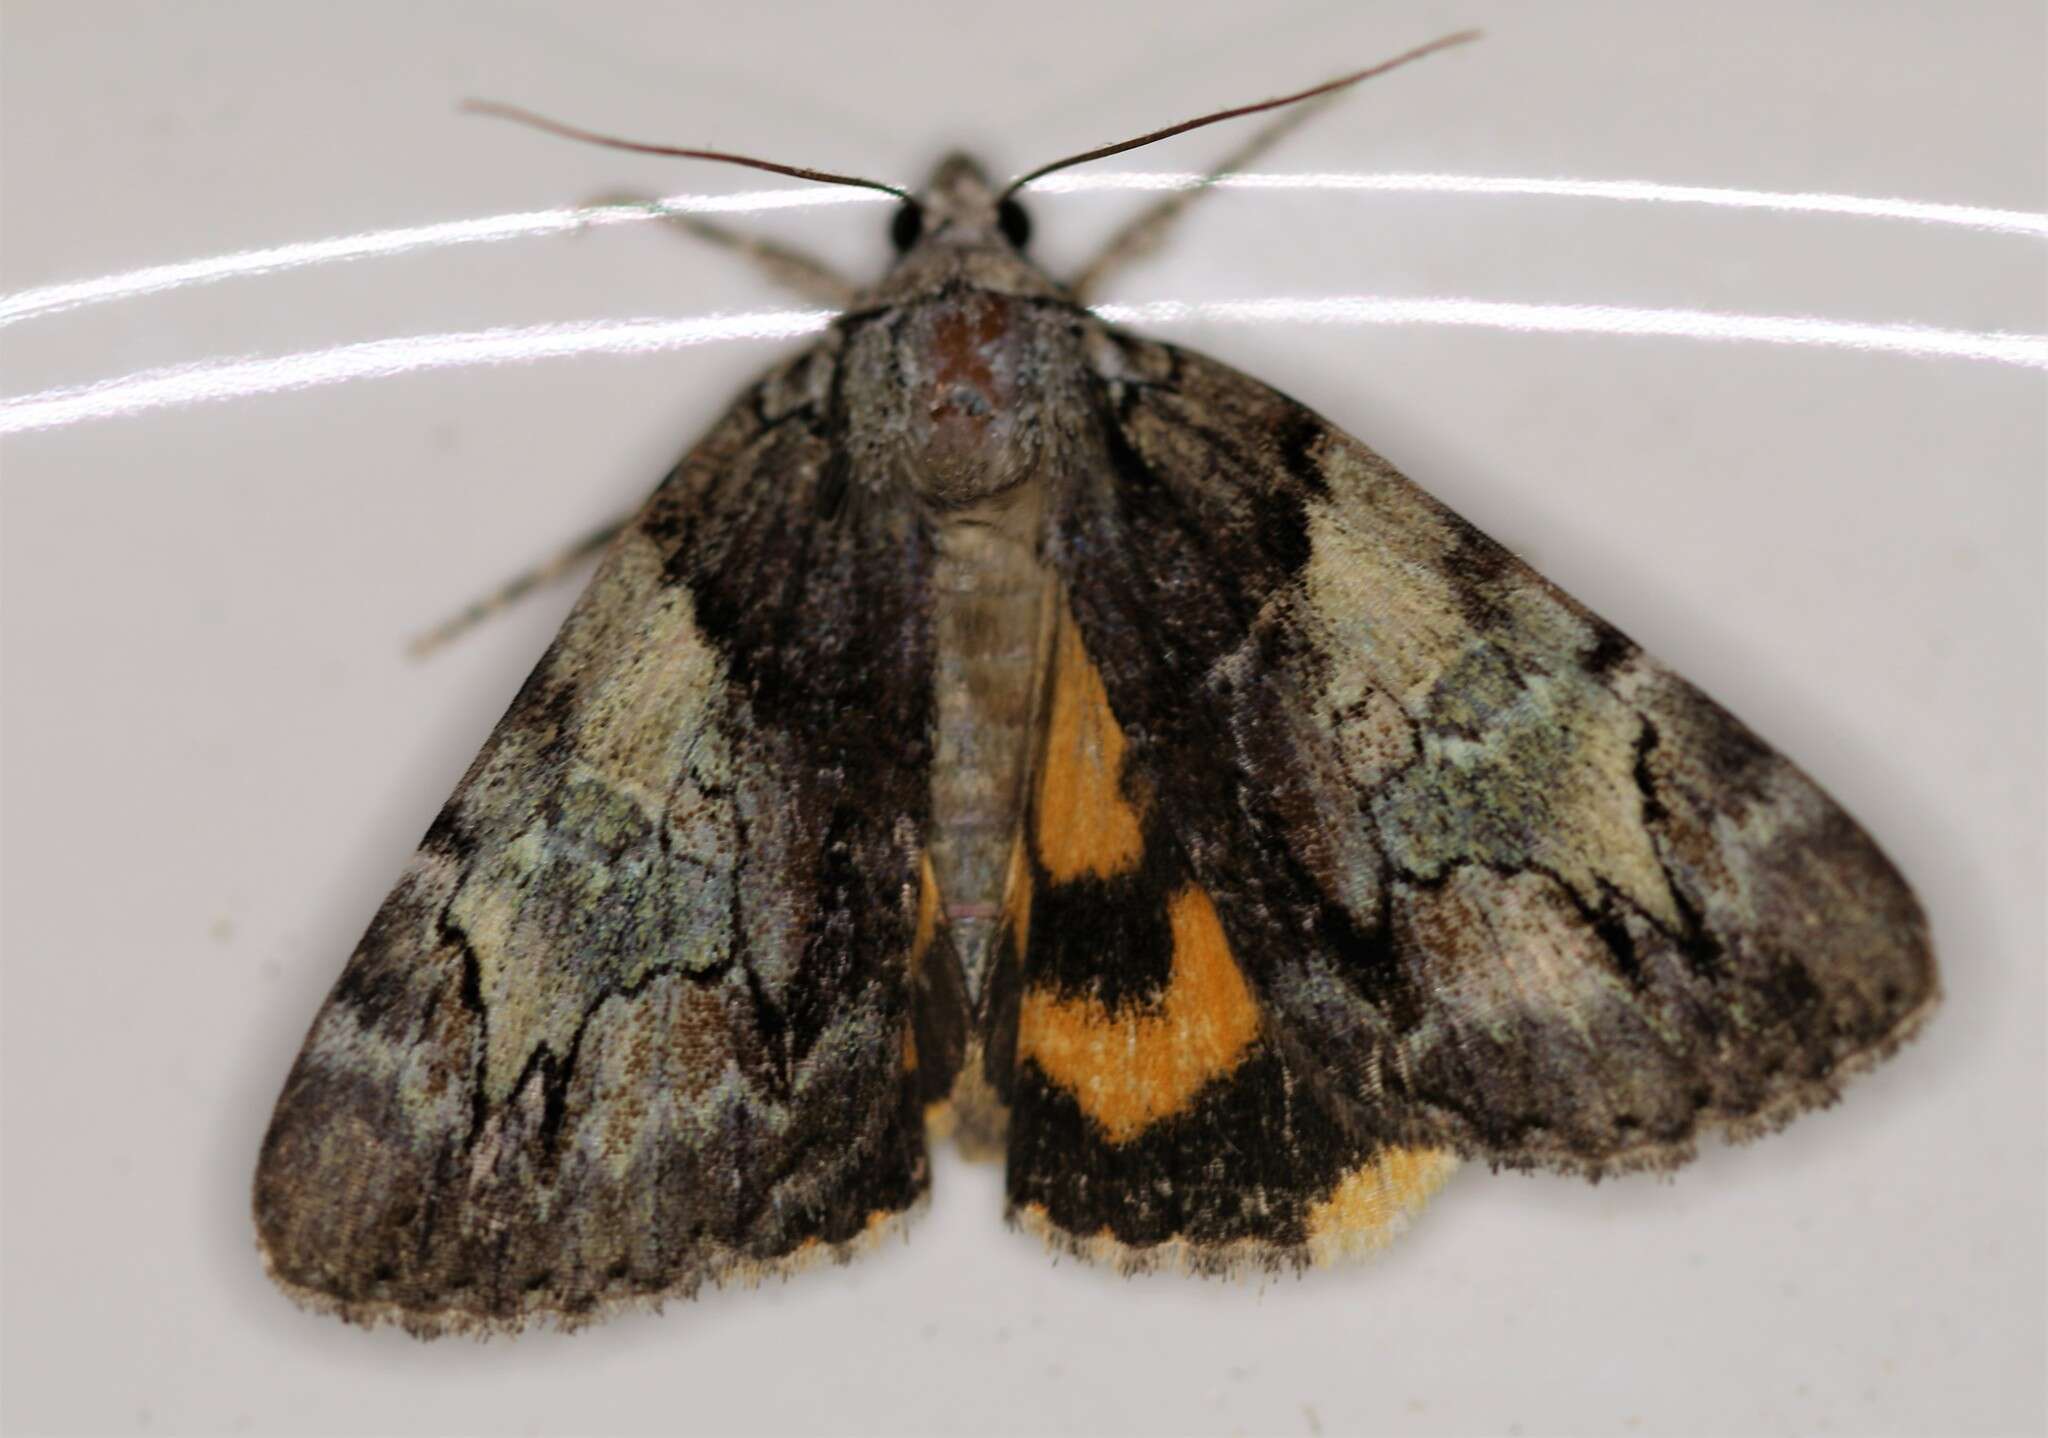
<point>1004,725</point>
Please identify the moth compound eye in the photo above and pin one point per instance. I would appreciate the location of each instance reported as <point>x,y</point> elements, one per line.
<point>1015,224</point>
<point>907,226</point>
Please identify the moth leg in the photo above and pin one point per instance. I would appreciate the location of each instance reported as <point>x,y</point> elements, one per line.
<point>1147,230</point>
<point>790,268</point>
<point>512,591</point>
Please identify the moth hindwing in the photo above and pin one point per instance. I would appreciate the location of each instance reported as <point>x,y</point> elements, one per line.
<point>1006,722</point>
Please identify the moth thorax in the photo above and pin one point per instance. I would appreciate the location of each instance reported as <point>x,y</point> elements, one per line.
<point>955,399</point>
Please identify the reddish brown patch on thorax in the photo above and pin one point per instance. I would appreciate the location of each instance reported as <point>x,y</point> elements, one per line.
<point>965,385</point>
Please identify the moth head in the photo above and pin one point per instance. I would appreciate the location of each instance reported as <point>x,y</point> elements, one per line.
<point>959,205</point>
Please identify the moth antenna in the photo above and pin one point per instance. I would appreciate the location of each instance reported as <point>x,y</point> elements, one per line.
<point>1443,42</point>
<point>571,132</point>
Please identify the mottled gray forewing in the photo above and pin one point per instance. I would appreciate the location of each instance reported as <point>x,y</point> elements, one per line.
<point>1503,882</point>
<point>636,1015</point>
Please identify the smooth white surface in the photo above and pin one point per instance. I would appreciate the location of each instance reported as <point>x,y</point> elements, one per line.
<point>216,758</point>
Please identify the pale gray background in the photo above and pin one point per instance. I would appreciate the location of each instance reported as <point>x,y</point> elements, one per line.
<point>216,758</point>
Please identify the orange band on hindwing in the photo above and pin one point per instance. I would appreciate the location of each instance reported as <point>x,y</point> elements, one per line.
<point>1132,1050</point>
<point>1083,824</point>
<point>1131,1066</point>
<point>1152,1118</point>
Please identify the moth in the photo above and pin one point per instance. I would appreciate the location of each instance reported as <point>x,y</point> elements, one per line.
<point>1005,725</point>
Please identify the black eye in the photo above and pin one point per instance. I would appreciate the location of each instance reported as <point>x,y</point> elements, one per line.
<point>907,226</point>
<point>1016,225</point>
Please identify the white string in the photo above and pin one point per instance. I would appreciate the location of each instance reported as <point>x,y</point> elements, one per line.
<point>379,359</point>
<point>55,299</point>
<point>210,381</point>
<point>1920,341</point>
<point>1976,217</point>
<point>58,298</point>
